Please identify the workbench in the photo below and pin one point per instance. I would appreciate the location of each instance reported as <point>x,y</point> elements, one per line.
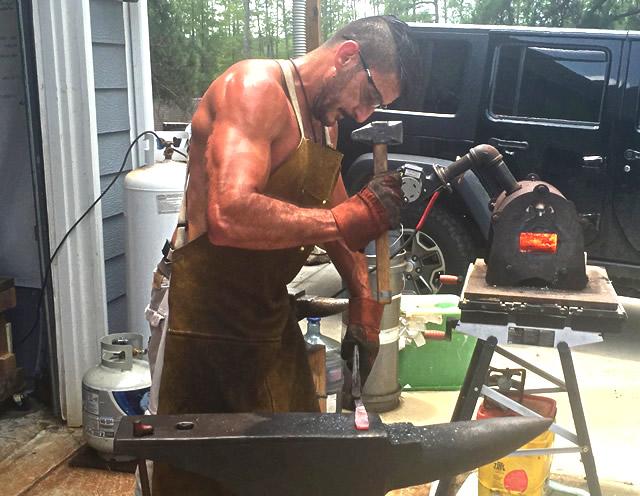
<point>561,319</point>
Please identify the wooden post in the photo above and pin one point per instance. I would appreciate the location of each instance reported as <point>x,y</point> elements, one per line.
<point>313,24</point>
<point>11,376</point>
<point>382,243</point>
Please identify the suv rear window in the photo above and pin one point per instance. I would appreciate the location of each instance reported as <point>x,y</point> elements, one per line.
<point>443,68</point>
<point>549,83</point>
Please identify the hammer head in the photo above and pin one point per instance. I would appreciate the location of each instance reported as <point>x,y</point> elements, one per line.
<point>379,133</point>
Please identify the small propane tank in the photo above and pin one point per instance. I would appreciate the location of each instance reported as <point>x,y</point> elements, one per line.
<point>118,386</point>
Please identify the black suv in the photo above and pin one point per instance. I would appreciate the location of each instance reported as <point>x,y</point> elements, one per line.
<point>560,103</point>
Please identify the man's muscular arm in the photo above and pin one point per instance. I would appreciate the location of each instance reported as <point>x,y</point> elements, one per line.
<point>365,313</point>
<point>251,116</point>
<point>351,265</point>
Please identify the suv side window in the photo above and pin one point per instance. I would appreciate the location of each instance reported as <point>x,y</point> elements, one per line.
<point>444,65</point>
<point>549,83</point>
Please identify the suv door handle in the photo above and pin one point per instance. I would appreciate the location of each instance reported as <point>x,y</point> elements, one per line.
<point>630,155</point>
<point>509,144</point>
<point>592,162</point>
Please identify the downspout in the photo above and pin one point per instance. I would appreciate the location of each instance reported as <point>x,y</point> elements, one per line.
<point>299,28</point>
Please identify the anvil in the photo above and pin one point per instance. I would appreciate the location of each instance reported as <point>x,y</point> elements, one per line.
<point>320,454</point>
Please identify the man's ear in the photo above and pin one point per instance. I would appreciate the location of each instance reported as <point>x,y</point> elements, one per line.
<point>346,54</point>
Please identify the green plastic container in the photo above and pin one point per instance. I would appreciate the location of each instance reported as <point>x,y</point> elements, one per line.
<point>436,365</point>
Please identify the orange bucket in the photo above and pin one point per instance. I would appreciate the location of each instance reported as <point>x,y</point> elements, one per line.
<point>525,475</point>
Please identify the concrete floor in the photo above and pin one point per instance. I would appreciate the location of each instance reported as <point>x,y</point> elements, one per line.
<point>35,449</point>
<point>608,375</point>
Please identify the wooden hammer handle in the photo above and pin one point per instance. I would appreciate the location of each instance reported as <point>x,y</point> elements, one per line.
<point>382,243</point>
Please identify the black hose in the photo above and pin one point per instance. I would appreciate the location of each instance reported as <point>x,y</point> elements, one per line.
<point>47,273</point>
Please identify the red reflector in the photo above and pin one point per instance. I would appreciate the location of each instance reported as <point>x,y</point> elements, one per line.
<point>537,242</point>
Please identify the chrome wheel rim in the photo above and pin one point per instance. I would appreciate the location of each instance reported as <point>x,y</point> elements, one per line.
<point>425,264</point>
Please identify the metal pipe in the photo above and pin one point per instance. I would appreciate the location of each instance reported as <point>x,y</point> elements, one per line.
<point>491,158</point>
<point>299,28</point>
<point>485,158</point>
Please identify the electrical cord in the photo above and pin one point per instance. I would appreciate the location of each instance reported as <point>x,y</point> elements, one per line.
<point>47,274</point>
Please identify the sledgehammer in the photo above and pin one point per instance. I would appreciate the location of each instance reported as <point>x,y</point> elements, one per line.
<point>381,134</point>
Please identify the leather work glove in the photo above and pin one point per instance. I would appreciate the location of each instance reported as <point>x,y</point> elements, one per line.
<point>363,331</point>
<point>371,212</point>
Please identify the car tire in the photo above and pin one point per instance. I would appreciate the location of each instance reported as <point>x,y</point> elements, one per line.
<point>444,246</point>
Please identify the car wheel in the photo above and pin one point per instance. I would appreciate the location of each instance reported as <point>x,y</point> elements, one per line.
<point>443,246</point>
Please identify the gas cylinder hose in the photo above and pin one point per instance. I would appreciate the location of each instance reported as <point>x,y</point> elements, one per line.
<point>47,273</point>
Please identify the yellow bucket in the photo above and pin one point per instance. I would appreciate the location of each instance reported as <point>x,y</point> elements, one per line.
<point>522,475</point>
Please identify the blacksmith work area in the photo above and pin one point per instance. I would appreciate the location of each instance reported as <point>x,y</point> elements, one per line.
<point>318,248</point>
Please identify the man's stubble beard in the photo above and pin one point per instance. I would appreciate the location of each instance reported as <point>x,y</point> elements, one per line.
<point>328,99</point>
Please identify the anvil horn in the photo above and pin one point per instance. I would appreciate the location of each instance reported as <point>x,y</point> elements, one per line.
<point>318,454</point>
<point>445,450</point>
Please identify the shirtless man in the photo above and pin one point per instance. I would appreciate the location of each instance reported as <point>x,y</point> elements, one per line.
<point>264,188</point>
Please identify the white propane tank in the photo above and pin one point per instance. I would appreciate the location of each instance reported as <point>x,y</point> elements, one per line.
<point>118,386</point>
<point>153,195</point>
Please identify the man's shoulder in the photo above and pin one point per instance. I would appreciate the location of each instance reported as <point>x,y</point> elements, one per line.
<point>254,78</point>
<point>250,94</point>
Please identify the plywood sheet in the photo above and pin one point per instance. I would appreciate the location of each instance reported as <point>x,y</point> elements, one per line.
<point>599,293</point>
<point>71,481</point>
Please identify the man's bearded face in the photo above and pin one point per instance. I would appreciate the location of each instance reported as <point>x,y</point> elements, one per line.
<point>337,99</point>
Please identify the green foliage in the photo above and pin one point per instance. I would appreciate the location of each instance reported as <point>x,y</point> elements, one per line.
<point>412,10</point>
<point>334,14</point>
<point>601,14</point>
<point>194,41</point>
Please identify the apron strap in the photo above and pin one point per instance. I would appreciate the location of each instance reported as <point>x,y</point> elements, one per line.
<point>327,137</point>
<point>181,230</point>
<point>291,89</point>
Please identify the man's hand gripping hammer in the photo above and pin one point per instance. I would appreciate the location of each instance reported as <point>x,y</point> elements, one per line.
<point>381,134</point>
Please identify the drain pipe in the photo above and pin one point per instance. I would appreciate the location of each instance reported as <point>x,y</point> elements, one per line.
<point>299,28</point>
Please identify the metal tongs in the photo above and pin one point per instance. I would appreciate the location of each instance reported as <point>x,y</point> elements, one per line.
<point>361,417</point>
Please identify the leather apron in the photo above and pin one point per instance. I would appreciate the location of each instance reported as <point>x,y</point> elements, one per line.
<point>233,342</point>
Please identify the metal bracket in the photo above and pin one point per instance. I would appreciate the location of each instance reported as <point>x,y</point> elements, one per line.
<point>519,408</point>
<point>532,336</point>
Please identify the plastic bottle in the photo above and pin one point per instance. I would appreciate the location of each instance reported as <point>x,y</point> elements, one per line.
<point>333,363</point>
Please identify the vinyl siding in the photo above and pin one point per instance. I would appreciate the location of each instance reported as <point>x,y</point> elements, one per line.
<point>112,116</point>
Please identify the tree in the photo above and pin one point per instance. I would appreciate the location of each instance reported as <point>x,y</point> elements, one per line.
<point>413,10</point>
<point>193,41</point>
<point>246,44</point>
<point>334,14</point>
<point>168,46</point>
<point>602,14</point>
